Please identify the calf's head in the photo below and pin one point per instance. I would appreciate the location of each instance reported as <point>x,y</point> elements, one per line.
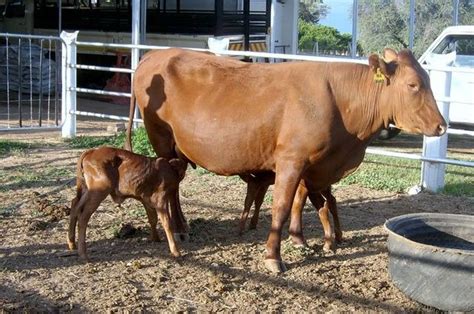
<point>407,101</point>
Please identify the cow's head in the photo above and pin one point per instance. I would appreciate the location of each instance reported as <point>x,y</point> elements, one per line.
<point>408,100</point>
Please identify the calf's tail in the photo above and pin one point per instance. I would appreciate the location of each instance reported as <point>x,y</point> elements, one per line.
<point>80,181</point>
<point>128,140</point>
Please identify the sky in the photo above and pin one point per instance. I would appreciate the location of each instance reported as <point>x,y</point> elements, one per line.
<point>339,15</point>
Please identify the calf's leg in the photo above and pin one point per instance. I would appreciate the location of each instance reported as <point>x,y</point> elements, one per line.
<point>331,204</point>
<point>321,206</point>
<point>91,202</point>
<point>163,213</point>
<point>262,190</point>
<point>152,220</point>
<point>296,229</point>
<point>163,144</point>
<point>252,189</point>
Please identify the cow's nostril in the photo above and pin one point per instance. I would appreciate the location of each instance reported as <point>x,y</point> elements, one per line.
<point>442,129</point>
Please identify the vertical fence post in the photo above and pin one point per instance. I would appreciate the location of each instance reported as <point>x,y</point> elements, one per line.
<point>432,175</point>
<point>68,75</point>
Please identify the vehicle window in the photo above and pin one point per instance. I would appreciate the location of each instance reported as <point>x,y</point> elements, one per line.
<point>461,45</point>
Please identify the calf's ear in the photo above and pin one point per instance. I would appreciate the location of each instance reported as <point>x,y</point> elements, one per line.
<point>179,166</point>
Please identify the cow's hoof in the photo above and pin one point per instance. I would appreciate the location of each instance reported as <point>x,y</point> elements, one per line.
<point>275,266</point>
<point>183,237</point>
<point>84,258</point>
<point>339,238</point>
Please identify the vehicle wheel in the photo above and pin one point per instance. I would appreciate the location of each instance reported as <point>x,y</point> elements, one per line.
<point>388,133</point>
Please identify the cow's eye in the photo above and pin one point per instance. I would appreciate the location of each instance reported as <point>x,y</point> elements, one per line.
<point>414,87</point>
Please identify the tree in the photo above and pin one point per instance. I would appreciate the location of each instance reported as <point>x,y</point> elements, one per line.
<point>384,23</point>
<point>328,38</point>
<point>312,11</point>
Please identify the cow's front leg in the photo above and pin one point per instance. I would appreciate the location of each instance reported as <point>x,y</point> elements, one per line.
<point>181,228</point>
<point>288,174</point>
<point>296,221</point>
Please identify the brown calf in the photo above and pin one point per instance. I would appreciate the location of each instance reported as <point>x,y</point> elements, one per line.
<point>109,171</point>
<point>324,202</point>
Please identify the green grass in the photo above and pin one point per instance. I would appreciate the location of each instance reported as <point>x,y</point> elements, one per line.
<point>398,175</point>
<point>25,177</point>
<point>140,142</point>
<point>8,147</point>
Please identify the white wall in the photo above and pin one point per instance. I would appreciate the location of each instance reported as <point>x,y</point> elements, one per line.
<point>284,26</point>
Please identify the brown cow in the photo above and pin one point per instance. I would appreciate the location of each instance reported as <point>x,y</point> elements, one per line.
<point>109,171</point>
<point>257,186</point>
<point>302,120</point>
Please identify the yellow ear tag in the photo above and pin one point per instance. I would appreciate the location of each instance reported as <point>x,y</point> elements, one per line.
<point>378,76</point>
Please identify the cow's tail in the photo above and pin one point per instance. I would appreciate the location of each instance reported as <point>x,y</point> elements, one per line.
<point>131,114</point>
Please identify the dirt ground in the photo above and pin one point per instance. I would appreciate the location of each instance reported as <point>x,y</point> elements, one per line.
<point>220,270</point>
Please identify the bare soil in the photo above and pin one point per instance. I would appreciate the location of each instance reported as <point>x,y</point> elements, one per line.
<point>220,270</point>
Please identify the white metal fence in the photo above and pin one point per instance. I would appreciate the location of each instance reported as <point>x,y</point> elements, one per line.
<point>30,81</point>
<point>434,149</point>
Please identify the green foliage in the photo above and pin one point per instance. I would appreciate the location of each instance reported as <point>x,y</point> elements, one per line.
<point>8,147</point>
<point>140,142</point>
<point>384,23</point>
<point>398,175</point>
<point>87,142</point>
<point>328,38</point>
<point>312,11</point>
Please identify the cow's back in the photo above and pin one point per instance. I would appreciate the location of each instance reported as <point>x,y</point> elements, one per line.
<point>229,116</point>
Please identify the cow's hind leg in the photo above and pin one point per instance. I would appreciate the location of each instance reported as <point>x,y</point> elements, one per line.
<point>288,175</point>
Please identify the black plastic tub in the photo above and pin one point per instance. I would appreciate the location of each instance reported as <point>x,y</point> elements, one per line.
<point>431,259</point>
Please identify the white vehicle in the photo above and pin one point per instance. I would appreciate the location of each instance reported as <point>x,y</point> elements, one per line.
<point>455,48</point>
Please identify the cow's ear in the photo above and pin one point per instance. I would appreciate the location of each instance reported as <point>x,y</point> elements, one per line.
<point>382,70</point>
<point>390,55</point>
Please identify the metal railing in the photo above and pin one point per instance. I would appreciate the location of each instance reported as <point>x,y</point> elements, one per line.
<point>30,81</point>
<point>434,149</point>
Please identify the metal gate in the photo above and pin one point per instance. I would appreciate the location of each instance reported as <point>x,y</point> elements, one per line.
<point>30,81</point>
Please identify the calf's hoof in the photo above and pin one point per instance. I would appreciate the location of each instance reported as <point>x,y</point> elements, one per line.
<point>275,266</point>
<point>71,245</point>
<point>338,237</point>
<point>297,241</point>
<point>328,248</point>
<point>176,254</point>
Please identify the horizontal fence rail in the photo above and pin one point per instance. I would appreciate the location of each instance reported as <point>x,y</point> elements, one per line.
<point>427,158</point>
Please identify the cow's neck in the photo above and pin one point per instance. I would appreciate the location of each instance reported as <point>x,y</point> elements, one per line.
<point>359,99</point>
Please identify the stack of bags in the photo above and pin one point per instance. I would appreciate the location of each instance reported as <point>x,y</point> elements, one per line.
<point>30,70</point>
